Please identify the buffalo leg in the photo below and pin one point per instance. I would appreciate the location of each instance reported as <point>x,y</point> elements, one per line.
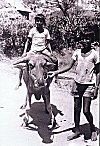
<point>27,103</point>
<point>48,108</point>
<point>27,108</point>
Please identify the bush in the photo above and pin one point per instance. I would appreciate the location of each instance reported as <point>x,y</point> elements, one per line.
<point>14,35</point>
<point>64,33</point>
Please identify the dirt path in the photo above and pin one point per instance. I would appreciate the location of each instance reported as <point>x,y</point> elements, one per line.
<point>12,134</point>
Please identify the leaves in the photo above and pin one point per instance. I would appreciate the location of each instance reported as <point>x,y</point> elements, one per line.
<point>14,34</point>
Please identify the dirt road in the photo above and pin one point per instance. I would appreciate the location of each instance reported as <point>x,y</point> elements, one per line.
<point>12,134</point>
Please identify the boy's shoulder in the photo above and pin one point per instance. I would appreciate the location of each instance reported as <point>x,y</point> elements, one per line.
<point>78,51</point>
<point>93,50</point>
<point>45,30</point>
<point>33,28</point>
<point>95,53</point>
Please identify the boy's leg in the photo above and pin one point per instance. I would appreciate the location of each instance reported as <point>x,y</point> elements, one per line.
<point>77,111</point>
<point>89,117</point>
<point>20,66</point>
<point>20,78</point>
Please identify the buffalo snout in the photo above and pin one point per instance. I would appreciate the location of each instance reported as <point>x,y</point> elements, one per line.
<point>40,82</point>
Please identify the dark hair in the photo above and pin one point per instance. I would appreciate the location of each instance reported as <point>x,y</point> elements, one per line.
<point>40,16</point>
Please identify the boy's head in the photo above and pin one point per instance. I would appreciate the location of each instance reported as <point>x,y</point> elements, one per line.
<point>86,39</point>
<point>40,19</point>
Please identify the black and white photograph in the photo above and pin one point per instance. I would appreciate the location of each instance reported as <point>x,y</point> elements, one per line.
<point>49,72</point>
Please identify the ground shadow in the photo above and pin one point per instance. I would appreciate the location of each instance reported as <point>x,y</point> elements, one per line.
<point>41,121</point>
<point>84,129</point>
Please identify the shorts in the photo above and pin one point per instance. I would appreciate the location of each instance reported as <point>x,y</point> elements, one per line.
<point>79,90</point>
<point>45,52</point>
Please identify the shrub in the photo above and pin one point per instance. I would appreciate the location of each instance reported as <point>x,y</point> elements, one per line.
<point>64,33</point>
<point>13,36</point>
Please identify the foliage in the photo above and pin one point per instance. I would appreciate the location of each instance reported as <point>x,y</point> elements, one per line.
<point>67,32</point>
<point>13,36</point>
<point>65,5</point>
<point>27,2</point>
<point>66,28</point>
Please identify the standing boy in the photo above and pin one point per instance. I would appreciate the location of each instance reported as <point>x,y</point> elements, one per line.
<point>85,80</point>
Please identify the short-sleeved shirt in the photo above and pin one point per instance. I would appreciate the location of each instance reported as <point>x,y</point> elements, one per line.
<point>85,65</point>
<point>38,39</point>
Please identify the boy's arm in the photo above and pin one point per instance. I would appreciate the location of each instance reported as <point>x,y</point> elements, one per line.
<point>98,80</point>
<point>97,85</point>
<point>65,69</point>
<point>21,60</point>
<point>27,45</point>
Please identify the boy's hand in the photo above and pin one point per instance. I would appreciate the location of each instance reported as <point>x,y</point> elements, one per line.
<point>51,53</point>
<point>24,54</point>
<point>95,93</point>
<point>51,74</point>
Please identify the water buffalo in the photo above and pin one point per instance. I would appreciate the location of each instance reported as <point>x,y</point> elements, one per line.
<point>35,76</point>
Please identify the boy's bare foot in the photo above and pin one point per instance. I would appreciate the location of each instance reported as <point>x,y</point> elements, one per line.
<point>16,88</point>
<point>94,136</point>
<point>73,136</point>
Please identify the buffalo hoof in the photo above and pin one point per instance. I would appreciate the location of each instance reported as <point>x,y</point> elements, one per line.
<point>51,126</point>
<point>22,114</point>
<point>23,107</point>
<point>17,86</point>
<point>94,136</point>
<point>24,125</point>
<point>25,122</point>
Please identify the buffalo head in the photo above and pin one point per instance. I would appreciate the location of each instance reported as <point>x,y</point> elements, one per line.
<point>38,66</point>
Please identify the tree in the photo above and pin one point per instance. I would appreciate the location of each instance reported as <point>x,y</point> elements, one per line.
<point>95,3</point>
<point>65,5</point>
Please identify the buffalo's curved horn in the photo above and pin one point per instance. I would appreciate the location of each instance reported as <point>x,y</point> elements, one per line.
<point>21,60</point>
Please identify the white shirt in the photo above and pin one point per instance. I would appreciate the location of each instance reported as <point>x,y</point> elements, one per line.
<point>38,39</point>
<point>85,65</point>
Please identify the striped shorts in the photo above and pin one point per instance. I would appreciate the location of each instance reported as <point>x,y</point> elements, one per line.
<point>79,90</point>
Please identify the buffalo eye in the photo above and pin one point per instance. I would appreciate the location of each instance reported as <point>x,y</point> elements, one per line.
<point>43,64</point>
<point>45,75</point>
<point>31,65</point>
